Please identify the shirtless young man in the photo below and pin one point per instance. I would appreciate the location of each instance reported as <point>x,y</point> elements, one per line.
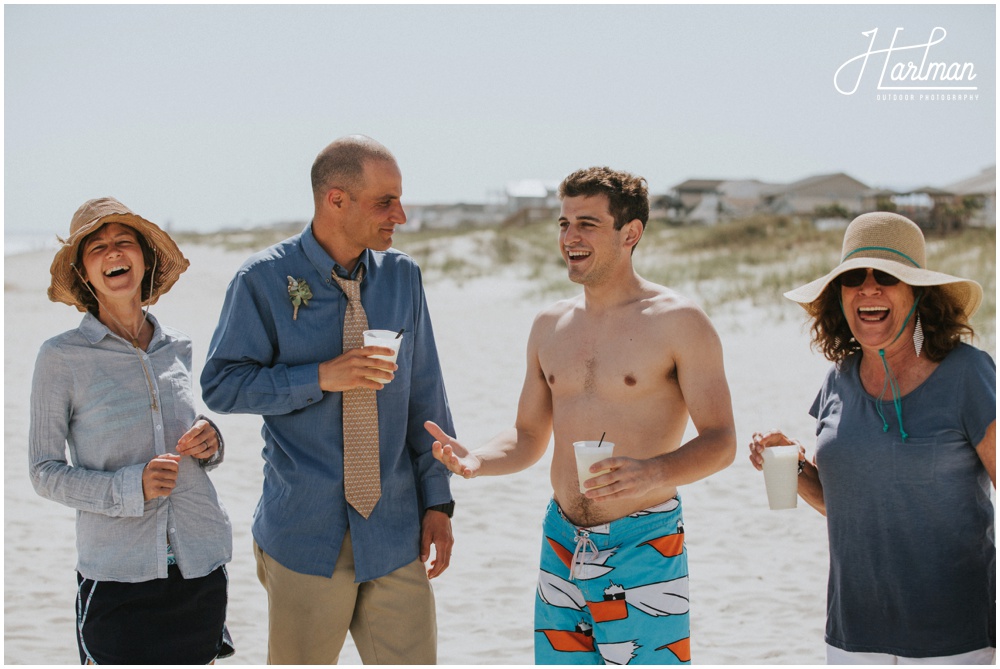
<point>632,360</point>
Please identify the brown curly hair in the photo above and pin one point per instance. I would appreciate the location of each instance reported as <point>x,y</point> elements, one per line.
<point>942,318</point>
<point>628,195</point>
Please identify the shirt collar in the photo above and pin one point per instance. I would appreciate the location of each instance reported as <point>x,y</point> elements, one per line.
<point>94,330</point>
<point>326,265</point>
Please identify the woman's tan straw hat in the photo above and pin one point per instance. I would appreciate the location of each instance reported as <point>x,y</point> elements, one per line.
<point>895,245</point>
<point>66,286</point>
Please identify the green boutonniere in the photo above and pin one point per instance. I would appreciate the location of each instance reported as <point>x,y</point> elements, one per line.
<point>300,295</point>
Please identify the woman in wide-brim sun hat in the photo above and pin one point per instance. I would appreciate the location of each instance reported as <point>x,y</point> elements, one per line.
<point>116,392</point>
<point>893,244</point>
<point>905,453</point>
<point>166,258</point>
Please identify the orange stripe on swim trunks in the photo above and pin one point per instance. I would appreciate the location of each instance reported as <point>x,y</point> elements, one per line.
<point>569,642</point>
<point>670,545</point>
<point>682,649</point>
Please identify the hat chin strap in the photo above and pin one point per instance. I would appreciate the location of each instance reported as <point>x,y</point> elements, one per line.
<point>145,312</point>
<point>892,383</point>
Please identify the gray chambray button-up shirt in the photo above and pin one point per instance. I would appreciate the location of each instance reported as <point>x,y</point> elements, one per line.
<point>116,407</point>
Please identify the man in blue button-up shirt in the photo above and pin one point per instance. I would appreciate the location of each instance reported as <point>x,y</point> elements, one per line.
<point>326,568</point>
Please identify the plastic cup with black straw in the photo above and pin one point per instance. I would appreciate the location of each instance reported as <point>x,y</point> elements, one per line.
<point>589,453</point>
<point>386,339</point>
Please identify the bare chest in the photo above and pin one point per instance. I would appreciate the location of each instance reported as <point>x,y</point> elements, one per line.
<point>595,364</point>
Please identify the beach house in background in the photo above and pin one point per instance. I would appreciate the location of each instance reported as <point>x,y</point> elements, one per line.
<point>519,203</point>
<point>450,216</point>
<point>825,199</point>
<point>969,202</point>
<point>709,201</point>
<point>979,193</point>
<point>530,200</point>
<point>824,195</point>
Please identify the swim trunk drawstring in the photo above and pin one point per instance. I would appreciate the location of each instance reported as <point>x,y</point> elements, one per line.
<point>584,545</point>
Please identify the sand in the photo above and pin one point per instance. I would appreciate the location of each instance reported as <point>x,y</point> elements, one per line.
<point>757,576</point>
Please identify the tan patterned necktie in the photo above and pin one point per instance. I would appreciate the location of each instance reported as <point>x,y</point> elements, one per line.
<point>361,466</point>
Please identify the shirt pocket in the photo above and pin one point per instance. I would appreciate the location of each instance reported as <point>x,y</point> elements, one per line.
<point>915,460</point>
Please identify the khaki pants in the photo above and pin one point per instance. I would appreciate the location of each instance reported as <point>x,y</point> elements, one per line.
<point>392,619</point>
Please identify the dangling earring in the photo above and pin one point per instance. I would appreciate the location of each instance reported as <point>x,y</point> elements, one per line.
<point>918,336</point>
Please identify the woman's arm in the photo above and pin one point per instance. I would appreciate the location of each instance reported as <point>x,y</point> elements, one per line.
<point>810,488</point>
<point>112,493</point>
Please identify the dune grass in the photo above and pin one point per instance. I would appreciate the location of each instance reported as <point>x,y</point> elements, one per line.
<point>750,261</point>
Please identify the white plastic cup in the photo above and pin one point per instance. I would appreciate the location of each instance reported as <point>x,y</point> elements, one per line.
<point>386,338</point>
<point>781,476</point>
<point>587,453</point>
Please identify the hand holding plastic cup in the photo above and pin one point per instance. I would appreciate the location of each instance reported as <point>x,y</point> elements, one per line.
<point>588,453</point>
<point>386,338</point>
<point>781,476</point>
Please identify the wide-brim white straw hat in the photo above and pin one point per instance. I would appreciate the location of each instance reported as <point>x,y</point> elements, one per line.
<point>66,286</point>
<point>894,244</point>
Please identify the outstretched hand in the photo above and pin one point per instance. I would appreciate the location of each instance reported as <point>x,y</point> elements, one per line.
<point>455,457</point>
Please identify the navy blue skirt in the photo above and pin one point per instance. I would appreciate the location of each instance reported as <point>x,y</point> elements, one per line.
<point>170,620</point>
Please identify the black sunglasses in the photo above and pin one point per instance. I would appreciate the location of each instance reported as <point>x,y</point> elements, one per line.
<point>855,277</point>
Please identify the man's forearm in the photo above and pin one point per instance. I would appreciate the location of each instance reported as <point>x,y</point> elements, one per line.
<point>509,452</point>
<point>265,391</point>
<point>709,452</point>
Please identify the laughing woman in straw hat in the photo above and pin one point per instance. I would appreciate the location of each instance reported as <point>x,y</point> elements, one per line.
<point>152,536</point>
<point>905,454</point>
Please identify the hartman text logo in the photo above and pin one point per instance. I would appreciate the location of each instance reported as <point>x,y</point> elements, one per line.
<point>908,71</point>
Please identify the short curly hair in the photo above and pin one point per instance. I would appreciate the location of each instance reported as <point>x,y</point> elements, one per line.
<point>628,195</point>
<point>942,318</point>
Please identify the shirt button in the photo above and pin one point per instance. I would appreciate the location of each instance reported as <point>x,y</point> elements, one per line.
<point>173,530</point>
<point>159,427</point>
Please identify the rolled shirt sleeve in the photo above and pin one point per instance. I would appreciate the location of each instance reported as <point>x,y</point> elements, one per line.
<point>115,493</point>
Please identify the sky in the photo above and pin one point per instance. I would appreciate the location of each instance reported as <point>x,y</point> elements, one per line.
<point>205,117</point>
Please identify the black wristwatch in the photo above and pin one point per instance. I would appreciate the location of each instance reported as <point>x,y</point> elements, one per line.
<point>448,508</point>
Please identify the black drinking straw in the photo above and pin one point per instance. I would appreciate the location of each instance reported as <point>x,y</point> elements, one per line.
<point>602,440</point>
<point>399,334</point>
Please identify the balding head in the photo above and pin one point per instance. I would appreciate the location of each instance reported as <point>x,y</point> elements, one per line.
<point>342,164</point>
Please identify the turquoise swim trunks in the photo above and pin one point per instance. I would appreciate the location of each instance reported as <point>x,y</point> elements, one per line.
<point>626,600</point>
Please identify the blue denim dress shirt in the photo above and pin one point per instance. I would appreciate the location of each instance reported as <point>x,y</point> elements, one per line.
<point>96,393</point>
<point>262,361</point>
